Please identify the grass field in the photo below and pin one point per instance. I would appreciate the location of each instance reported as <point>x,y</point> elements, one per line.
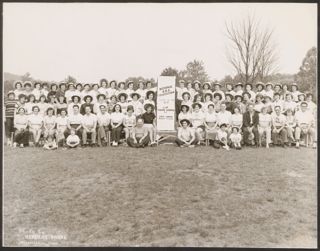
<point>164,196</point>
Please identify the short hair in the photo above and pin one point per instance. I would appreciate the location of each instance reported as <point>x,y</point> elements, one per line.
<point>139,118</point>
<point>64,110</point>
<point>277,106</point>
<point>50,109</point>
<point>114,108</point>
<point>130,107</point>
<point>35,108</point>
<point>75,106</point>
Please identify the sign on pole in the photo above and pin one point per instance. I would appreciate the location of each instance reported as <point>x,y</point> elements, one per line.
<point>166,103</point>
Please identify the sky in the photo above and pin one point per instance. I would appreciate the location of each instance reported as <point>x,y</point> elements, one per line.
<point>120,40</point>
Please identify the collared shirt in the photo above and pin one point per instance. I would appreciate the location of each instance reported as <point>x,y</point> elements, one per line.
<point>75,119</point>
<point>265,120</point>
<point>129,120</point>
<point>304,117</point>
<point>50,121</point>
<point>211,117</point>
<point>89,120</point>
<point>35,120</point>
<point>20,121</point>
<point>236,119</point>
<point>182,116</point>
<point>104,119</point>
<point>117,117</point>
<point>197,118</point>
<point>62,122</point>
<point>224,118</point>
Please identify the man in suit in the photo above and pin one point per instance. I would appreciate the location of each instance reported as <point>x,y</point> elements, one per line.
<point>250,126</point>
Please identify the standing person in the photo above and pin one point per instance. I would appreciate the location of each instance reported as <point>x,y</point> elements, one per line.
<point>116,120</point>
<point>43,105</point>
<point>86,92</point>
<point>284,91</point>
<point>238,89</point>
<point>210,123</point>
<point>248,89</point>
<point>75,100</point>
<point>62,90</point>
<point>184,114</point>
<point>101,100</point>
<point>36,90</point>
<point>224,116</point>
<point>290,124</point>
<point>27,88</point>
<point>217,90</point>
<point>238,103</point>
<point>179,91</point>
<point>206,88</point>
<point>235,138</point>
<point>305,124</point>
<point>121,89</point>
<point>104,119</point>
<point>123,97</point>
<point>35,123</point>
<point>207,101</point>
<point>78,90</point>
<point>53,91</point>
<point>196,87</point>
<point>269,91</point>
<point>60,105</point>
<point>75,121</point>
<point>187,100</point>
<point>103,87</point>
<point>236,119</point>
<point>18,89</point>
<point>197,120</point>
<point>141,91</point>
<point>130,90</point>
<point>191,91</point>
<point>30,104</point>
<point>222,138</point>
<point>217,97</point>
<point>45,89</point>
<point>94,93</point>
<point>10,107</point>
<point>21,135</point>
<point>277,101</point>
<point>89,125</point>
<point>259,104</point>
<point>264,126</point>
<point>21,103</point>
<point>129,122</point>
<point>49,123</point>
<point>260,89</point>
<point>139,137</point>
<point>149,87</point>
<point>198,99</point>
<point>289,103</point>
<point>311,105</point>
<point>229,89</point>
<point>112,89</point>
<point>62,126</point>
<point>136,103</point>
<point>150,96</point>
<point>278,127</point>
<point>149,119</point>
<point>295,92</point>
<point>229,102</point>
<point>73,140</point>
<point>186,136</point>
<point>268,103</point>
<point>250,126</point>
<point>87,102</point>
<point>70,92</point>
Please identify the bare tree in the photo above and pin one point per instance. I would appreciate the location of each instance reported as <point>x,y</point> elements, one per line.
<point>252,52</point>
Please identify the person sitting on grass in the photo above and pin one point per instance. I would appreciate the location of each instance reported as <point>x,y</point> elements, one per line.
<point>222,138</point>
<point>278,124</point>
<point>104,119</point>
<point>139,135</point>
<point>89,124</point>
<point>50,144</point>
<point>73,139</point>
<point>129,122</point>
<point>35,125</point>
<point>149,119</point>
<point>21,135</point>
<point>235,138</point>
<point>186,135</point>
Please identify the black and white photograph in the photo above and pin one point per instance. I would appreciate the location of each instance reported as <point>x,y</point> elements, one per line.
<point>159,124</point>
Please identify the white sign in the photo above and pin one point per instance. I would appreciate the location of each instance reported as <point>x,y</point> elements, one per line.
<point>166,103</point>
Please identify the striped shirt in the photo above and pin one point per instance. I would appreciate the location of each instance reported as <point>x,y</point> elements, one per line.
<point>10,105</point>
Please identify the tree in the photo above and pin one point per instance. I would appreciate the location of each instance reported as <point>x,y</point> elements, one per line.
<point>195,70</point>
<point>70,79</point>
<point>26,77</point>
<point>251,51</point>
<point>170,72</point>
<point>306,78</point>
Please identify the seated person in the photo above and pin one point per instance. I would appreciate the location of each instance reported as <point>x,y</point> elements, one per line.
<point>62,126</point>
<point>222,138</point>
<point>290,124</point>
<point>73,139</point>
<point>264,126</point>
<point>20,122</point>
<point>89,124</point>
<point>49,123</point>
<point>278,127</point>
<point>50,143</point>
<point>235,138</point>
<point>186,136</point>
<point>197,120</point>
<point>139,135</point>
<point>250,126</point>
<point>104,119</point>
<point>305,124</point>
<point>129,121</point>
<point>149,119</point>
<point>74,122</point>
<point>35,125</point>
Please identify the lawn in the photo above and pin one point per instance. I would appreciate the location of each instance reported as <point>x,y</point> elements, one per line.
<point>162,196</point>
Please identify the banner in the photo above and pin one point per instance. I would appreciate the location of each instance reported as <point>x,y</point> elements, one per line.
<point>166,103</point>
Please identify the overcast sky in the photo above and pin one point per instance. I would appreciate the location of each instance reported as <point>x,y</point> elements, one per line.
<point>91,41</point>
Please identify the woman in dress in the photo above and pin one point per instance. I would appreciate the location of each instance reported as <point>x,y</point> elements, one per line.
<point>35,123</point>
<point>210,123</point>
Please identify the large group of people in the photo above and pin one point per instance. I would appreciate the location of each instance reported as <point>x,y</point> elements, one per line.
<point>71,115</point>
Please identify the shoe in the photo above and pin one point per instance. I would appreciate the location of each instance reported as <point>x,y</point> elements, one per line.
<point>15,144</point>
<point>297,145</point>
<point>314,145</point>
<point>21,145</point>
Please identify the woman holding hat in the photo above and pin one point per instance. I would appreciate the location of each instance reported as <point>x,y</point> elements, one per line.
<point>123,102</point>
<point>27,88</point>
<point>75,100</point>
<point>112,89</point>
<point>70,92</point>
<point>130,90</point>
<point>116,120</point>
<point>43,105</point>
<point>206,88</point>
<point>35,123</point>
<point>78,90</point>
<point>149,119</point>
<point>10,107</point>
<point>49,123</point>
<point>36,90</point>
<point>87,102</point>
<point>150,95</point>
<point>210,123</point>
<point>18,89</point>
<point>20,124</point>
<point>197,120</point>
<point>101,100</point>
<point>137,105</point>
<point>186,136</point>
<point>184,114</point>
